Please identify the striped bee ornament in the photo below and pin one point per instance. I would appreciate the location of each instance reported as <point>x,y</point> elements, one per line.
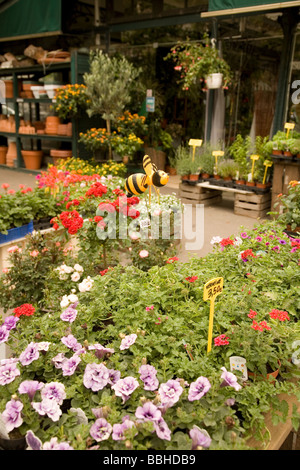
<point>138,183</point>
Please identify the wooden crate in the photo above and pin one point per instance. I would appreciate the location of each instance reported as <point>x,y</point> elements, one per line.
<point>193,194</point>
<point>252,205</point>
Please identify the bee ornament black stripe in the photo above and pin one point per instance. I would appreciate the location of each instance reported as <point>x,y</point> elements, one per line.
<point>136,184</point>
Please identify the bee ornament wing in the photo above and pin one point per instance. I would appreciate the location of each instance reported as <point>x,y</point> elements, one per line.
<point>148,166</point>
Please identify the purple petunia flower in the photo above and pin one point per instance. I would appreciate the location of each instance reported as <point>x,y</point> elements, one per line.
<point>169,393</point>
<point>69,314</point>
<point>244,235</point>
<point>53,444</point>
<point>12,415</point>
<point>100,350</point>
<point>30,354</point>
<point>70,365</point>
<point>4,334</point>
<point>101,430</point>
<point>128,341</point>
<point>162,429</point>
<point>10,322</point>
<point>30,387</point>
<point>148,376</point>
<point>96,376</point>
<point>125,387</point>
<point>148,412</point>
<point>200,438</point>
<point>114,376</point>
<point>8,372</point>
<point>199,388</point>
<point>58,360</point>
<point>48,407</point>
<point>119,429</point>
<point>54,391</point>
<point>229,379</point>
<point>71,342</point>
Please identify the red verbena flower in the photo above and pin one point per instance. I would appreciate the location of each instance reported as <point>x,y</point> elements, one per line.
<point>171,260</point>
<point>25,309</point>
<point>221,340</point>
<point>280,315</point>
<point>226,241</point>
<point>252,313</point>
<point>191,278</point>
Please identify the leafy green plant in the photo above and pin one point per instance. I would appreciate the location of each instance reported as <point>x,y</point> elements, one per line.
<point>196,60</point>
<point>228,168</point>
<point>290,203</point>
<point>207,160</point>
<point>239,151</point>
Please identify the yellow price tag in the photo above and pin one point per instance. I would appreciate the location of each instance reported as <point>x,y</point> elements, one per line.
<point>218,153</point>
<point>195,143</point>
<point>267,164</point>
<point>289,126</point>
<point>211,289</point>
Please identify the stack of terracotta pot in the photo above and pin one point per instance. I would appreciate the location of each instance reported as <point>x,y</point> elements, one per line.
<point>52,123</point>
<point>58,155</point>
<point>3,152</point>
<point>11,154</point>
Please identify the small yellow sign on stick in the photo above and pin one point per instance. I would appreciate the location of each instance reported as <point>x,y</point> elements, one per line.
<point>267,164</point>
<point>195,143</point>
<point>289,126</point>
<point>211,289</point>
<point>216,154</point>
<point>253,158</point>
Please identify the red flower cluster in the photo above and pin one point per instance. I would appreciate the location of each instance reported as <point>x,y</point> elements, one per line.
<point>123,205</point>
<point>295,243</point>
<point>97,189</point>
<point>252,313</point>
<point>171,260</point>
<point>221,340</point>
<point>72,221</point>
<point>280,315</point>
<point>260,326</point>
<point>25,309</point>
<point>99,221</point>
<point>75,202</point>
<point>191,278</point>
<point>247,254</point>
<point>226,241</point>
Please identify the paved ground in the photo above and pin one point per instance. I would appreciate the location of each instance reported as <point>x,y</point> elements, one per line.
<point>218,219</point>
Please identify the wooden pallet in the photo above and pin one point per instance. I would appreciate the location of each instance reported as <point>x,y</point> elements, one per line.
<point>193,194</point>
<point>252,205</point>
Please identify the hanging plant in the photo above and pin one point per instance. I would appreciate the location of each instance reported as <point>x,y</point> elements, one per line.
<point>197,61</point>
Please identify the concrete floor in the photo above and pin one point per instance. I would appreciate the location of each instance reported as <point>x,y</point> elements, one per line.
<point>217,220</point>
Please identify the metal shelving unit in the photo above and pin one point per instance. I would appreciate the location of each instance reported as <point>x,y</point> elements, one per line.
<point>72,72</point>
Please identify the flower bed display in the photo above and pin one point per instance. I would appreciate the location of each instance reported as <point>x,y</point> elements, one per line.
<point>119,360</point>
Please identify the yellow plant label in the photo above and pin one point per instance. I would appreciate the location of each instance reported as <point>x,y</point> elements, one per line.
<point>211,289</point>
<point>289,125</point>
<point>195,142</point>
<point>254,157</point>
<point>218,153</point>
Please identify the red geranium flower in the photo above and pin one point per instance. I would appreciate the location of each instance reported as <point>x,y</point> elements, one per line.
<point>221,340</point>
<point>191,278</point>
<point>25,309</point>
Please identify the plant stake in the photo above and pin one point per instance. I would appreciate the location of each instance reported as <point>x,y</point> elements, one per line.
<point>211,289</point>
<point>216,154</point>
<point>289,126</point>
<point>267,164</point>
<point>253,158</point>
<point>195,143</point>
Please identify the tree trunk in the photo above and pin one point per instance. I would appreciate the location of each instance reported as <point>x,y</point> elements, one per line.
<point>108,128</point>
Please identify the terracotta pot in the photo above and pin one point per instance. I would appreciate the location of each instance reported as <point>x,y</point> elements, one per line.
<point>217,177</point>
<point>32,159</point>
<point>205,175</point>
<point>194,177</point>
<point>295,230</point>
<point>227,178</point>
<point>261,185</point>
<point>125,159</point>
<point>185,177</point>
<point>271,375</point>
<point>277,152</point>
<point>287,154</point>
<point>61,153</point>
<point>240,181</point>
<point>3,152</point>
<point>11,154</point>
<point>9,89</point>
<point>250,183</point>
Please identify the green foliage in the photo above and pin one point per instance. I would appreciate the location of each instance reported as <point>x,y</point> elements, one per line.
<point>109,84</point>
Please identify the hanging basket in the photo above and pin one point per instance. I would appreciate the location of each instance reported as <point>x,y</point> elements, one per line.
<point>214,80</point>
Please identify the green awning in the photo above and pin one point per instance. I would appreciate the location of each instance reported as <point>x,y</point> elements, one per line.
<point>29,18</point>
<point>231,7</point>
